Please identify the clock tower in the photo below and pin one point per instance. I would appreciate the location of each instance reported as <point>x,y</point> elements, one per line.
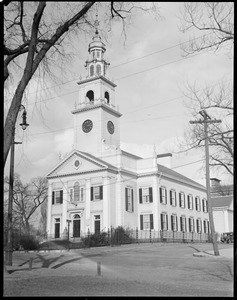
<point>96,118</point>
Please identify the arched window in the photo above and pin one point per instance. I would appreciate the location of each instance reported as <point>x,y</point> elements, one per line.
<point>90,95</point>
<point>76,191</point>
<point>98,69</point>
<point>91,70</point>
<point>107,96</point>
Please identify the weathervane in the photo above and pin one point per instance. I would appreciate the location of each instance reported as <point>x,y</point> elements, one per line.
<point>96,23</point>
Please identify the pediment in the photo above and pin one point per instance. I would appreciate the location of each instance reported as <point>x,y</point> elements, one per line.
<point>78,162</point>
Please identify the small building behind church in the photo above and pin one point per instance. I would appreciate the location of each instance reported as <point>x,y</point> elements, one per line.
<point>98,185</point>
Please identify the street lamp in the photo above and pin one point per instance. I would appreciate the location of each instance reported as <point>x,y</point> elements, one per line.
<point>68,228</point>
<point>9,248</point>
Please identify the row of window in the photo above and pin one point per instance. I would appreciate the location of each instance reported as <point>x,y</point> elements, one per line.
<point>145,196</point>
<point>76,194</point>
<point>146,223</point>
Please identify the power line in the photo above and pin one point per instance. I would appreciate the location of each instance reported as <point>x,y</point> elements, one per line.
<point>127,62</point>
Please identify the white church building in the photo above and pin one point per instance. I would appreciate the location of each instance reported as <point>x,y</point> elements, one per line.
<point>98,185</point>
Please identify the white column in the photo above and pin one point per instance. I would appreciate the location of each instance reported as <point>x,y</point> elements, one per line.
<point>226,224</point>
<point>49,217</point>
<point>88,205</point>
<point>156,203</point>
<point>64,208</point>
<point>106,200</point>
<point>119,200</point>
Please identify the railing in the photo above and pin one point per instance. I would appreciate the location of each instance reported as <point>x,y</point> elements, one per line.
<point>112,237</point>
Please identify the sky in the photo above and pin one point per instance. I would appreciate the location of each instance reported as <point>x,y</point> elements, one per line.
<point>150,73</point>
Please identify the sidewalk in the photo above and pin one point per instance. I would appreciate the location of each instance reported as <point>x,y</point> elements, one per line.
<point>224,253</point>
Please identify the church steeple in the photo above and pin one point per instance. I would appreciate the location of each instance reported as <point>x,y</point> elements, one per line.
<point>96,65</point>
<point>96,125</point>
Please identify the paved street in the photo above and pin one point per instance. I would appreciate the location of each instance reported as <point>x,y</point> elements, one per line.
<point>129,270</point>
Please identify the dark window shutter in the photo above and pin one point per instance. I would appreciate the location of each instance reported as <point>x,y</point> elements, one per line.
<point>126,199</point>
<point>165,196</point>
<point>172,224</point>
<point>92,193</point>
<point>132,201</point>
<point>176,223</point>
<point>185,221</point>
<point>150,195</point>
<point>161,221</point>
<point>175,198</point>
<point>53,195</point>
<point>189,224</point>
<point>188,201</point>
<point>160,195</point>
<point>203,205</point>
<point>151,221</point>
<point>197,224</point>
<point>206,206</point>
<point>184,201</point>
<point>101,192</point>
<point>181,227</point>
<point>140,195</point>
<point>180,199</point>
<point>170,197</point>
<point>61,196</point>
<point>141,222</point>
<point>167,222</point>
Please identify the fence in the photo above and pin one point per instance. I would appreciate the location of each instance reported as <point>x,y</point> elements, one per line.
<point>113,236</point>
<point>119,235</point>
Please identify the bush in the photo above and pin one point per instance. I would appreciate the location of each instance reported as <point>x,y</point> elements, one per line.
<point>120,236</point>
<point>29,243</point>
<point>97,239</point>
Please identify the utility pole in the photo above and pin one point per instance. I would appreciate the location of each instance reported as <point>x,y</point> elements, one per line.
<point>9,247</point>
<point>207,120</point>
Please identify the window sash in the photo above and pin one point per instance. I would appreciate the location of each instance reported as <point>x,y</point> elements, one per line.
<point>173,197</point>
<point>163,195</point>
<point>129,199</point>
<point>174,224</point>
<point>182,200</point>
<point>190,201</point>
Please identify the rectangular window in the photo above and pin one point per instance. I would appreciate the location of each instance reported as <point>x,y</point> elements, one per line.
<point>163,195</point>
<point>197,203</point>
<point>129,199</point>
<point>97,193</point>
<point>204,205</point>
<point>146,221</point>
<point>190,202</point>
<point>183,224</point>
<point>174,223</point>
<point>57,197</point>
<point>191,224</point>
<point>199,226</point>
<point>173,197</point>
<point>182,200</point>
<point>164,221</point>
<point>145,195</point>
<point>206,226</point>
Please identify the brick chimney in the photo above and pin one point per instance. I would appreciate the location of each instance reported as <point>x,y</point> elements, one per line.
<point>215,182</point>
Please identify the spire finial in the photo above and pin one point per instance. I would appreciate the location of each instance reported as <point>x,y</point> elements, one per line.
<point>96,23</point>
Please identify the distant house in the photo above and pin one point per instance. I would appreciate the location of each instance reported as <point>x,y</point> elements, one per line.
<point>222,206</point>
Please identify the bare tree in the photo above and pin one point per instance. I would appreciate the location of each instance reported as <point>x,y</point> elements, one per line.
<point>27,198</point>
<point>34,35</point>
<point>214,19</point>
<point>218,103</point>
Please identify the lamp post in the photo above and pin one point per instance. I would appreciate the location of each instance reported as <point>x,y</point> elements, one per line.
<point>68,228</point>
<point>9,248</point>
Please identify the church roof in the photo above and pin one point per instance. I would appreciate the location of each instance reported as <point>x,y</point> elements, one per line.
<point>222,201</point>
<point>171,173</point>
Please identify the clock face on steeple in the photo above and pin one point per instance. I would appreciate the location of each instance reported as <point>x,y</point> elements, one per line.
<point>87,126</point>
<point>110,127</point>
